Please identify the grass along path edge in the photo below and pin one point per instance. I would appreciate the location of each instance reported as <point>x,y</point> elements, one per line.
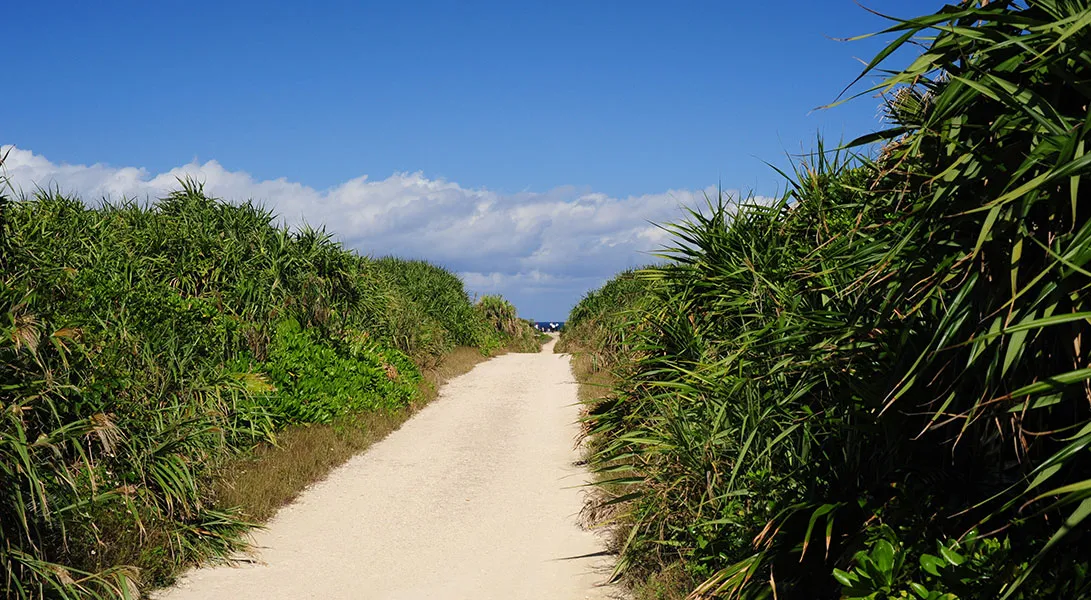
<point>272,476</point>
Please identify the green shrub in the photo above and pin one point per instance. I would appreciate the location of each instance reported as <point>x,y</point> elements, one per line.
<point>604,322</point>
<point>878,386</point>
<point>143,347</point>
<point>440,295</point>
<point>518,335</point>
<point>317,380</point>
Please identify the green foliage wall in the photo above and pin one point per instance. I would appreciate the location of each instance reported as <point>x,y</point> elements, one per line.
<point>143,346</point>
<point>878,387</point>
<point>440,296</point>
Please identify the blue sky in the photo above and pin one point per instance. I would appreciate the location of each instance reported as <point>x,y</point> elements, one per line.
<point>527,110</point>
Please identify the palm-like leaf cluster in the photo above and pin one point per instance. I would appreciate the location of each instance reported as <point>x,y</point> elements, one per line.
<point>878,387</point>
<point>517,334</point>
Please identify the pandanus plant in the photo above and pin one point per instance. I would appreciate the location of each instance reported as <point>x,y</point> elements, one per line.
<point>879,384</point>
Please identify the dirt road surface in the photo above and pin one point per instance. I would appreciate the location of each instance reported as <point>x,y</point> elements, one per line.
<point>476,497</point>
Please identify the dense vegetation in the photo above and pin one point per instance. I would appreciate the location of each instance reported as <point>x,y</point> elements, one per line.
<point>879,386</point>
<point>598,326</point>
<point>144,348</point>
<point>501,316</point>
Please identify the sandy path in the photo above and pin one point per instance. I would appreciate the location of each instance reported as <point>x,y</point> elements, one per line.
<point>470,499</point>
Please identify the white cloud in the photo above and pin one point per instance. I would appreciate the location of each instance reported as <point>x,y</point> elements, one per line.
<point>542,250</point>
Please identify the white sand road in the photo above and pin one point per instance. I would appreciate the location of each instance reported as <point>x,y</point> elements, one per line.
<point>475,497</point>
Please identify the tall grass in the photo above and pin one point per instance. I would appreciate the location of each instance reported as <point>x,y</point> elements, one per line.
<point>146,347</point>
<point>879,386</point>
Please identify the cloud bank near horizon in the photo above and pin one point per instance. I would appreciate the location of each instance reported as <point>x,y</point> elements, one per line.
<point>541,250</point>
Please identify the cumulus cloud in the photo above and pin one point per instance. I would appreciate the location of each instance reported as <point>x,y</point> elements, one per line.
<point>542,250</point>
